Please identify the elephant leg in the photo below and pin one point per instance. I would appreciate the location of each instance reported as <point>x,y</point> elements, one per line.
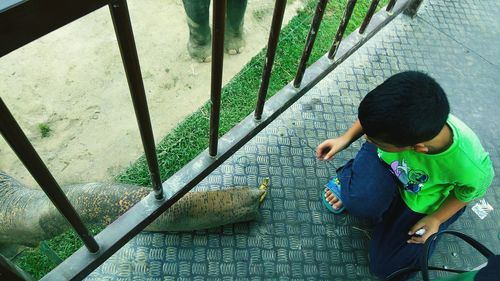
<point>200,37</point>
<point>234,42</point>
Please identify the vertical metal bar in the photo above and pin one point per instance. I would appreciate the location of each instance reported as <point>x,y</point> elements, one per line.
<point>342,27</point>
<point>10,272</point>
<point>15,137</point>
<point>218,21</point>
<point>412,8</point>
<point>390,5</point>
<point>311,37</point>
<point>124,34</point>
<point>369,15</point>
<point>272,43</point>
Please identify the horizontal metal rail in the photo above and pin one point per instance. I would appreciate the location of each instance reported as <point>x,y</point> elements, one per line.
<point>24,21</point>
<point>114,236</point>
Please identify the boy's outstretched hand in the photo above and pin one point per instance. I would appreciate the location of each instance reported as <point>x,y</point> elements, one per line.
<point>327,149</point>
<point>429,223</point>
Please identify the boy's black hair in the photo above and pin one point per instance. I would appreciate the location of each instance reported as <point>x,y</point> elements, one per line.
<point>408,108</point>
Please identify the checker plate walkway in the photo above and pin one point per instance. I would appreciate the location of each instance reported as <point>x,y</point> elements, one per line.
<point>296,238</point>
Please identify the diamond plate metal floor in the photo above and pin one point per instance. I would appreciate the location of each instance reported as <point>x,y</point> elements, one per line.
<point>296,238</point>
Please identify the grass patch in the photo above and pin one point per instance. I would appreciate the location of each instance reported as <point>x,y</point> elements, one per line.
<point>239,97</point>
<point>37,262</point>
<point>45,130</point>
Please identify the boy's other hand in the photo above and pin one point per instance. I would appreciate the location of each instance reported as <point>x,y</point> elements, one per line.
<point>327,149</point>
<point>429,223</point>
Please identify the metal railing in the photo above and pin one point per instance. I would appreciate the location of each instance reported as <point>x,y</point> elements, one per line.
<point>24,21</point>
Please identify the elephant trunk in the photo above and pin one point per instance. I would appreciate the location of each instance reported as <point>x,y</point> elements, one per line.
<point>27,216</point>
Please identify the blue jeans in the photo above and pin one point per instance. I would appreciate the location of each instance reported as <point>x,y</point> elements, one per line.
<point>369,190</point>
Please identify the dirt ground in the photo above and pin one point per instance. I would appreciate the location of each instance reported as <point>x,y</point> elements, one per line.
<point>72,81</point>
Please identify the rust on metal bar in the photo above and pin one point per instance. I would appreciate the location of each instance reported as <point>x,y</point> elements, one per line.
<point>272,43</point>
<point>218,21</point>
<point>369,15</point>
<point>311,37</point>
<point>17,140</point>
<point>390,5</point>
<point>342,27</point>
<point>124,34</point>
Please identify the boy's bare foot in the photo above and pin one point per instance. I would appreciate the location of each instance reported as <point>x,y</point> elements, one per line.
<point>332,199</point>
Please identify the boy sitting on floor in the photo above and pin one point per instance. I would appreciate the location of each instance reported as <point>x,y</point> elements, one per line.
<point>413,177</point>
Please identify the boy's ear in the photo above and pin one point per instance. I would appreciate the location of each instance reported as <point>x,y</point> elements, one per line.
<point>421,147</point>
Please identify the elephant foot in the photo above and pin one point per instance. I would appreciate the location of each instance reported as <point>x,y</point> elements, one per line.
<point>234,43</point>
<point>200,52</point>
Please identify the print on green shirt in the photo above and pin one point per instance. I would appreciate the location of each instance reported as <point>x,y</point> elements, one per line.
<point>427,179</point>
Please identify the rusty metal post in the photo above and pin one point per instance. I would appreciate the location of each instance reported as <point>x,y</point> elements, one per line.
<point>124,34</point>
<point>218,21</point>
<point>311,37</point>
<point>17,140</point>
<point>369,15</point>
<point>390,5</point>
<point>342,27</point>
<point>272,43</point>
<point>412,8</point>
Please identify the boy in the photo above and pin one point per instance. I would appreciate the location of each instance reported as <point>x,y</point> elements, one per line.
<point>413,177</point>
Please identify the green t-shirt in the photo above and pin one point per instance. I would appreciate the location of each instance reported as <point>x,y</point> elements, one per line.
<point>427,179</point>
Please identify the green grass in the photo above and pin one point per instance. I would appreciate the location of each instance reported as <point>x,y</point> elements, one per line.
<point>239,97</point>
<point>44,129</point>
<point>38,262</point>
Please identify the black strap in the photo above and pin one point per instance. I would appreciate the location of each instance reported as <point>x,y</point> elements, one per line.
<point>424,259</point>
<point>424,262</point>
<point>408,270</point>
